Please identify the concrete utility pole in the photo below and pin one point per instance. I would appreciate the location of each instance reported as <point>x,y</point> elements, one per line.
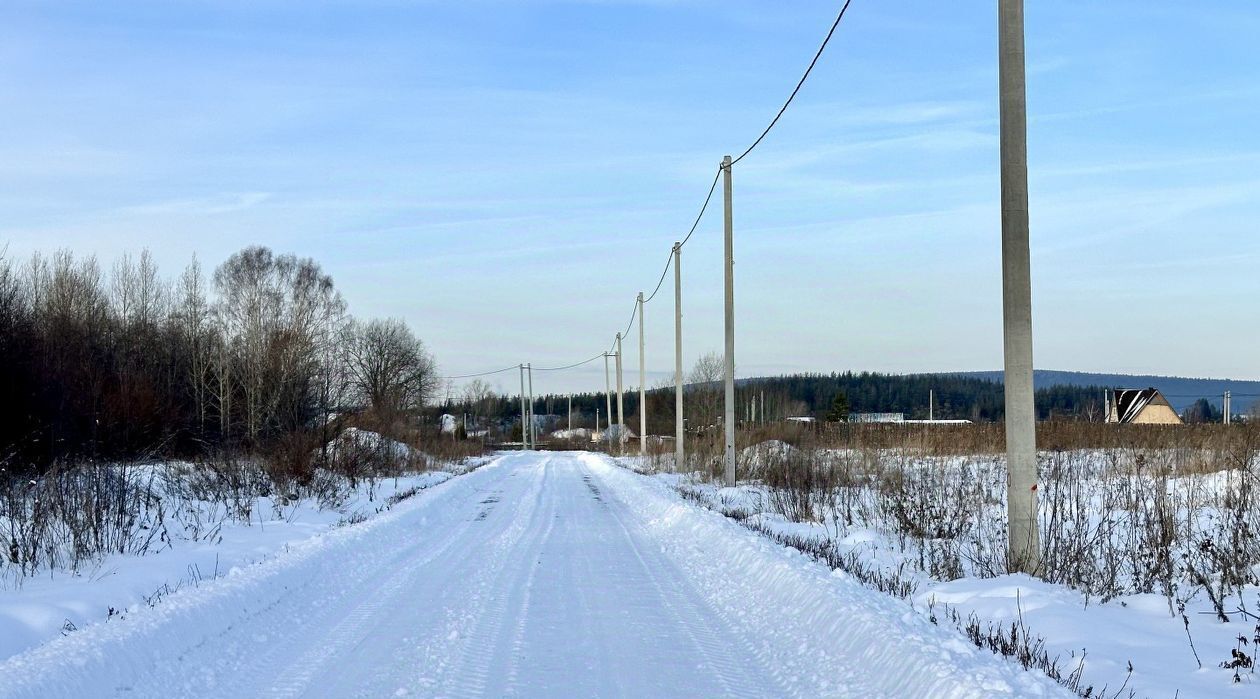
<point>1024,539</point>
<point>524,441</point>
<point>607,395</point>
<point>679,432</point>
<point>729,364</point>
<point>533,431</point>
<point>570,413</point>
<point>1227,407</point>
<point>621,410</point>
<point>642,386</point>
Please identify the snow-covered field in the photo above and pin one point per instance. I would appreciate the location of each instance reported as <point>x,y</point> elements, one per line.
<point>188,528</point>
<point>537,575</point>
<point>1148,549</point>
<point>57,603</point>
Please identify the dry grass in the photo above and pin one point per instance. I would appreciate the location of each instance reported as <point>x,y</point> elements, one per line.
<point>1124,509</point>
<point>73,515</point>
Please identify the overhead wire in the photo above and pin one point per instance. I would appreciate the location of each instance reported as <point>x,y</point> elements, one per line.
<point>696,224</point>
<point>799,83</point>
<point>708,198</point>
<point>570,366</point>
<point>630,324</point>
<point>482,373</point>
<point>712,188</point>
<point>664,272</point>
<point>1208,395</point>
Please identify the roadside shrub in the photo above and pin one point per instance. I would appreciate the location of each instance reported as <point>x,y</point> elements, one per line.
<point>71,516</point>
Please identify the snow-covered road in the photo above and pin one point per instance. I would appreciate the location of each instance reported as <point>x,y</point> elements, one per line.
<point>556,575</point>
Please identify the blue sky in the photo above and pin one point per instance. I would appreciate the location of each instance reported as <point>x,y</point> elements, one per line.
<point>506,176</point>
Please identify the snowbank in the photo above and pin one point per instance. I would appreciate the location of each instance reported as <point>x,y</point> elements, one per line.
<point>1098,639</point>
<point>202,543</point>
<point>354,440</point>
<point>578,433</point>
<point>763,454</point>
<point>809,622</point>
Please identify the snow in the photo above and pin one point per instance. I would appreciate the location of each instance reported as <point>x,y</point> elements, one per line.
<point>449,423</point>
<point>761,454</point>
<point>540,574</point>
<point>354,439</point>
<point>616,433</point>
<point>39,609</point>
<point>578,433</point>
<point>1137,629</point>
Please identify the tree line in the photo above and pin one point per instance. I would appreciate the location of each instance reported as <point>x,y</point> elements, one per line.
<point>797,395</point>
<point>953,397</point>
<point>128,364</point>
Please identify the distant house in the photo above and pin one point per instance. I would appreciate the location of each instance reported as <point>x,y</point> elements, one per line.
<point>1140,406</point>
<point>877,417</point>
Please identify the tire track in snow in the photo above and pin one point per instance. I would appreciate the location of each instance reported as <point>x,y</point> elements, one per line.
<point>713,648</point>
<point>470,632</point>
<point>352,628</point>
<point>527,590</point>
<point>785,669</point>
<point>344,624</point>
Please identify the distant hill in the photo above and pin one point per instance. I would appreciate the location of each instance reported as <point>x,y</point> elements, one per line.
<point>976,395</point>
<point>957,396</point>
<point>1180,391</point>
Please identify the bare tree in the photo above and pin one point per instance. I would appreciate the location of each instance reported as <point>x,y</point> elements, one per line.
<point>192,318</point>
<point>704,394</point>
<point>122,366</point>
<point>277,314</point>
<point>140,389</point>
<point>479,397</point>
<point>390,368</point>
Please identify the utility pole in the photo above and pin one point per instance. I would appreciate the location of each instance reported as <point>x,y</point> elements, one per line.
<point>931,405</point>
<point>533,433</point>
<point>642,386</point>
<point>570,414</point>
<point>679,432</point>
<point>729,364</point>
<point>524,440</point>
<point>621,409</point>
<point>1227,407</point>
<point>1023,536</point>
<point>607,396</point>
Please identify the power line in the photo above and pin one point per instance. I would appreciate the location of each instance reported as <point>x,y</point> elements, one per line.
<point>569,366</point>
<point>483,373</point>
<point>696,224</point>
<point>1209,395</point>
<point>799,83</point>
<point>661,281</point>
<point>703,207</point>
<point>630,324</point>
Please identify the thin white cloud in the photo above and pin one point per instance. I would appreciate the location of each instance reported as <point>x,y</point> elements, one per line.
<point>201,206</point>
